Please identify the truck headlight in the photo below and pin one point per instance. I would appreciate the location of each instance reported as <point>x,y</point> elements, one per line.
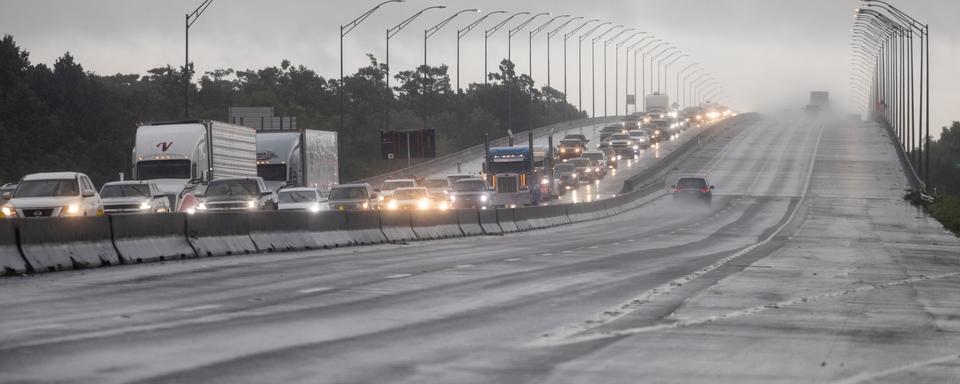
<point>423,204</point>
<point>392,205</point>
<point>201,207</point>
<point>484,198</point>
<point>380,198</point>
<point>73,209</point>
<point>443,205</point>
<point>252,204</point>
<point>8,211</point>
<point>315,208</point>
<point>145,205</point>
<point>365,205</point>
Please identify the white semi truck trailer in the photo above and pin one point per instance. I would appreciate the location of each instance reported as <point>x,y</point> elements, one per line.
<point>177,155</point>
<point>297,158</point>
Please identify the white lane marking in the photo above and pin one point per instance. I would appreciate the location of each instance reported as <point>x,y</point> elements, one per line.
<point>567,252</point>
<point>515,259</point>
<point>615,244</point>
<point>871,376</point>
<point>631,240</point>
<point>36,328</point>
<point>568,332</point>
<point>315,290</point>
<point>399,276</point>
<point>546,254</point>
<point>464,266</point>
<point>200,308</point>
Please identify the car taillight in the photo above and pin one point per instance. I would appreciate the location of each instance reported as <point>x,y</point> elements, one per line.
<point>705,190</point>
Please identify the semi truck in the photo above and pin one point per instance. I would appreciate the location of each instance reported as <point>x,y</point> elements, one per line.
<point>297,158</point>
<point>178,155</point>
<point>658,103</point>
<point>511,172</point>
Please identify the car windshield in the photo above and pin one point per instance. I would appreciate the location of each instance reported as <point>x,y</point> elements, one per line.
<point>581,162</point>
<point>129,190</point>
<point>620,137</point>
<point>163,169</point>
<point>566,167</point>
<point>612,128</point>
<point>47,188</point>
<point>570,143</point>
<point>455,178</point>
<point>592,156</point>
<point>232,188</point>
<point>469,185</point>
<point>691,183</point>
<point>348,193</point>
<point>394,184</point>
<point>435,183</point>
<point>410,194</point>
<point>636,134</point>
<point>297,196</point>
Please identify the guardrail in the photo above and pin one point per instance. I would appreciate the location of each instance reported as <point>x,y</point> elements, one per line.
<point>55,244</point>
<point>434,165</point>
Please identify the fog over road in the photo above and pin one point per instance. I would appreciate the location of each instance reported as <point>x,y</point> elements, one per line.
<point>808,266</point>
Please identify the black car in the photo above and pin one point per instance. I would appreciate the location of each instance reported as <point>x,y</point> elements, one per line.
<point>471,193</point>
<point>566,175</point>
<point>693,188</point>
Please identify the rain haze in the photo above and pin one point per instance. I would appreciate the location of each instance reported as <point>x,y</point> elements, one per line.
<point>767,54</point>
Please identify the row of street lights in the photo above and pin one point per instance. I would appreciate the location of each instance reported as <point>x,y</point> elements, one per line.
<point>883,76</point>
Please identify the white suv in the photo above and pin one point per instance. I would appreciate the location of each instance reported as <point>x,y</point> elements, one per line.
<point>53,195</point>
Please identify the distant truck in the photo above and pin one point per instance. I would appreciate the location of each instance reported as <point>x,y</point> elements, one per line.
<point>511,171</point>
<point>297,158</point>
<point>658,103</point>
<point>177,155</point>
<point>819,101</point>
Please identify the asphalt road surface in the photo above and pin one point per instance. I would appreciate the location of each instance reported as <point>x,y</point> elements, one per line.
<point>807,267</point>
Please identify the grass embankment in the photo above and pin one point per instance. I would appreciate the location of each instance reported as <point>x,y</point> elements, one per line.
<point>945,208</point>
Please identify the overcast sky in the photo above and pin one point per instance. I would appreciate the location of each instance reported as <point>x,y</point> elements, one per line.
<point>768,54</point>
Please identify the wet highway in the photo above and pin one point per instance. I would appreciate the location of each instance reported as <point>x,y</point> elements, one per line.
<point>807,267</point>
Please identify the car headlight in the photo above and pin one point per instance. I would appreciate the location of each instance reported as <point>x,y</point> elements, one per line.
<point>201,207</point>
<point>484,198</point>
<point>636,147</point>
<point>573,176</point>
<point>8,211</point>
<point>598,169</point>
<point>252,204</point>
<point>145,205</point>
<point>365,205</point>
<point>562,150</point>
<point>453,198</point>
<point>380,198</point>
<point>588,170</point>
<point>392,204</point>
<point>73,209</point>
<point>315,208</point>
<point>443,205</point>
<point>423,204</point>
<point>545,181</point>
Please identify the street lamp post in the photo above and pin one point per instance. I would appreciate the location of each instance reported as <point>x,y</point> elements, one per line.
<point>666,73</point>
<point>682,97</point>
<point>390,32</point>
<point>344,30</point>
<point>593,68</point>
<point>642,53</point>
<point>565,37</point>
<point>657,59</point>
<point>580,61</point>
<point>616,75</point>
<point>515,30</point>
<point>626,73</point>
<point>188,21</point>
<point>643,70</point>
<point>491,32</point>
<point>463,32</point>
<point>533,33</point>
<point>549,36</point>
<point>427,34</point>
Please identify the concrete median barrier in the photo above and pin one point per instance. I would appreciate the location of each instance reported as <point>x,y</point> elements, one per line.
<point>580,212</point>
<point>11,261</point>
<point>469,221</point>
<point>435,224</point>
<point>488,221</point>
<point>220,234</point>
<point>364,227</point>
<point>397,226</point>
<point>54,244</point>
<point>145,238</point>
<point>329,229</point>
<point>507,219</point>
<point>274,231</point>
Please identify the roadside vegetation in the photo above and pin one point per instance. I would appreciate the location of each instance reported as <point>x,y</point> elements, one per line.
<point>944,179</point>
<point>63,117</point>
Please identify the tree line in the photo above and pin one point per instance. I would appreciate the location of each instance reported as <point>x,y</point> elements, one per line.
<point>64,118</point>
